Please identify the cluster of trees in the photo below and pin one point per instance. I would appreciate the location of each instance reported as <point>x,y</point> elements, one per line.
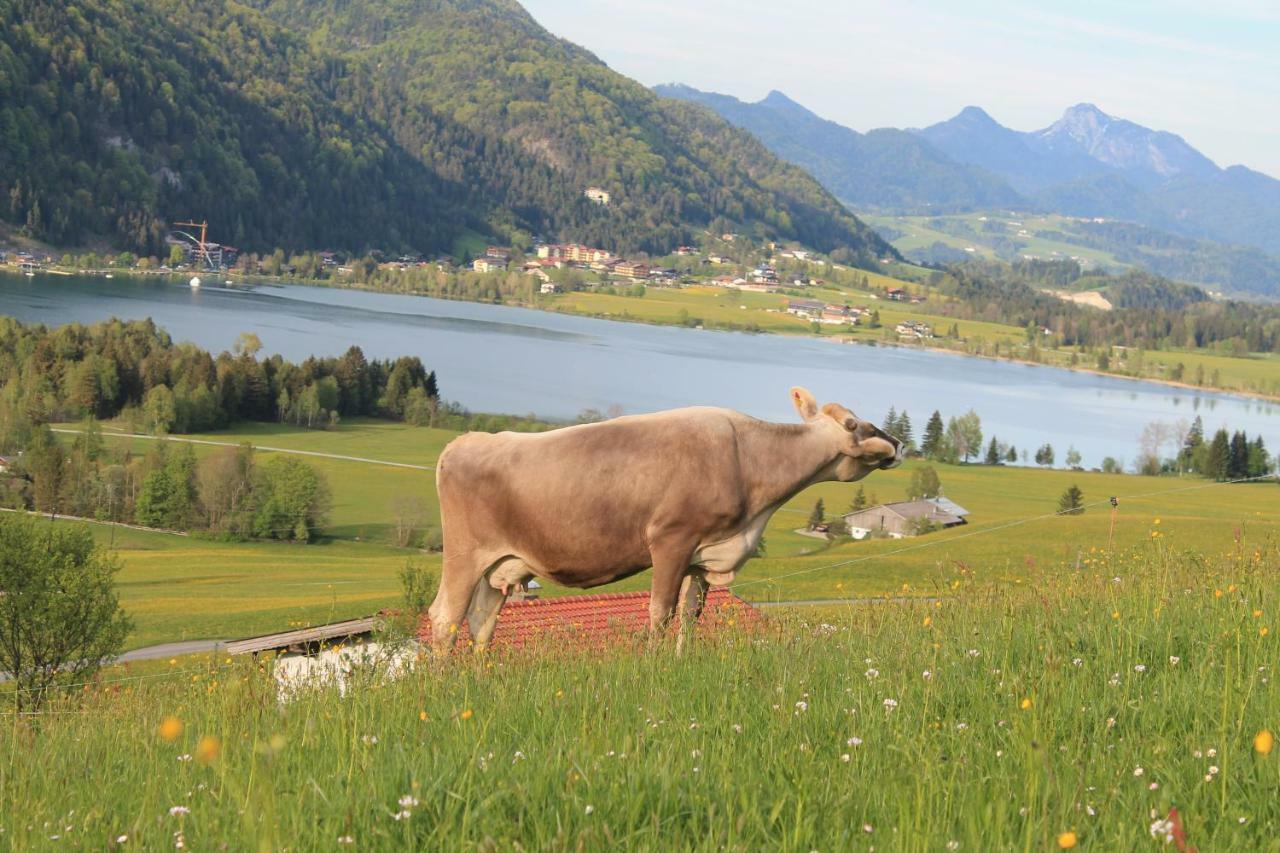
<point>133,369</point>
<point>227,494</point>
<point>1151,312</point>
<point>957,441</point>
<point>1226,456</point>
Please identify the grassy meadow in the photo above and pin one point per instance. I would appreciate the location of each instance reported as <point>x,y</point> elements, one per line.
<point>179,588</point>
<point>1075,713</point>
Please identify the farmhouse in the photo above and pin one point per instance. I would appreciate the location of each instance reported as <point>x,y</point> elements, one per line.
<point>905,518</point>
<point>914,329</point>
<point>897,294</point>
<point>549,287</point>
<point>596,194</point>
<point>811,308</point>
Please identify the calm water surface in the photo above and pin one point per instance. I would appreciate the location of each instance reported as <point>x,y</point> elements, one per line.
<point>500,359</point>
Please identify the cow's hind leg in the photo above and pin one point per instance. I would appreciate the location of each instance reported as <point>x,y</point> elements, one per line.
<point>693,597</point>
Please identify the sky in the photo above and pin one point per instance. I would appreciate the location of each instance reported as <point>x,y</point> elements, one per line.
<point>1208,71</point>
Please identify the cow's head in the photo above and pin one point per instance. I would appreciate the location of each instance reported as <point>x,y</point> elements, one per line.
<point>863,446</point>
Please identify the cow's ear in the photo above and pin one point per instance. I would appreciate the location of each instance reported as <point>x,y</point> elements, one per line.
<point>841,415</point>
<point>804,402</point>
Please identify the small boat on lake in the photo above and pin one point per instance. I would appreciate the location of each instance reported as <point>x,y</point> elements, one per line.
<point>195,281</point>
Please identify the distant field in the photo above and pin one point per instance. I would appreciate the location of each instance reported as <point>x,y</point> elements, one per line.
<point>919,232</point>
<point>186,588</point>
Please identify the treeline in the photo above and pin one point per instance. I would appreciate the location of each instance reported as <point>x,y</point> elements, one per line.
<point>1225,456</point>
<point>227,494</point>
<point>135,371</point>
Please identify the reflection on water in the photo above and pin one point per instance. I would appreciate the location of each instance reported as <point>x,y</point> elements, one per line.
<point>495,358</point>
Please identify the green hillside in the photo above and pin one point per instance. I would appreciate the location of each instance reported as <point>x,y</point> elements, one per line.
<point>422,123</point>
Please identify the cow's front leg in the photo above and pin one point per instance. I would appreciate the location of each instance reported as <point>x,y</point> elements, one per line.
<point>693,596</point>
<point>482,616</point>
<point>670,566</point>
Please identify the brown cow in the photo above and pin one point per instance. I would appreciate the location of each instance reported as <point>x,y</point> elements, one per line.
<point>687,491</point>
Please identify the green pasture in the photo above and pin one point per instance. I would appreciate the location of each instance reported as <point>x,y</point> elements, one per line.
<point>1078,711</point>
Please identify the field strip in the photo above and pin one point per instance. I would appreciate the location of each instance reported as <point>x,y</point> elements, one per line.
<point>264,447</point>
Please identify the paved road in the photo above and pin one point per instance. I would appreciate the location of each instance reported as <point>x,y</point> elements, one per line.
<point>169,650</point>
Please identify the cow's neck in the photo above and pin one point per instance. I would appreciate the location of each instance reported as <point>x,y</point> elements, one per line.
<point>784,460</point>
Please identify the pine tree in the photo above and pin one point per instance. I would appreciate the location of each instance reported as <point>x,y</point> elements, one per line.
<point>1238,466</point>
<point>859,501</point>
<point>891,422</point>
<point>993,452</point>
<point>931,446</point>
<point>1072,501</point>
<point>1217,462</point>
<point>816,517</point>
<point>904,431</point>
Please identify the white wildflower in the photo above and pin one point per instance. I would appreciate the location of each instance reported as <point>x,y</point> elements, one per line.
<point>1077,662</point>
<point>346,839</point>
<point>854,741</point>
<point>1174,660</point>
<point>1162,830</point>
<point>1142,667</point>
<point>122,839</point>
<point>872,673</point>
<point>403,814</point>
<point>1213,770</point>
<point>408,801</point>
<point>519,756</point>
<point>973,653</point>
<point>802,707</point>
<point>926,675</point>
<point>1090,810</point>
<point>186,756</point>
<point>867,828</point>
<point>179,810</point>
<point>890,704</point>
<point>845,757</point>
<point>1138,771</point>
<point>590,809</point>
<point>737,727</point>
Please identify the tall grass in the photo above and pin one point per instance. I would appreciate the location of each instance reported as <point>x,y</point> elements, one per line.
<point>1089,701</point>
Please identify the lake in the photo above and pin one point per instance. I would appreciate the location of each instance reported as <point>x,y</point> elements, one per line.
<point>500,359</point>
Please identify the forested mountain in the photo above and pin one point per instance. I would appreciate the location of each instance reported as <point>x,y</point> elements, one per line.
<point>365,123</point>
<point>883,168</point>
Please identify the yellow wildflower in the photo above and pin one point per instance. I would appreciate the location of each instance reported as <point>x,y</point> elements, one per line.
<point>1263,741</point>
<point>1067,840</point>
<point>207,749</point>
<point>170,728</point>
<point>1262,632</point>
<point>422,715</point>
<point>928,620</point>
<point>465,715</point>
<point>1025,704</point>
